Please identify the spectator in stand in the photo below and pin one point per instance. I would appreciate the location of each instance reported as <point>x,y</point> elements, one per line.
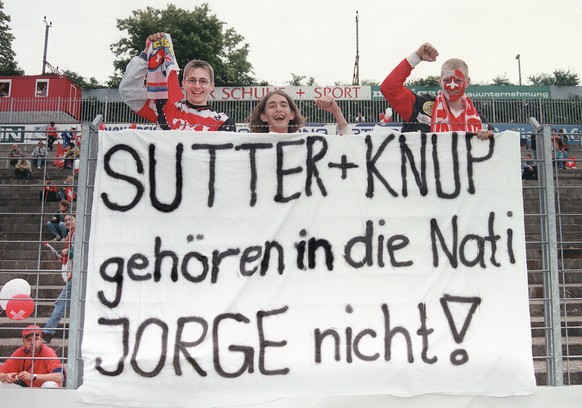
<point>529,169</point>
<point>23,170</point>
<point>13,155</point>
<point>556,141</point>
<point>67,192</point>
<point>56,224</point>
<point>564,135</point>
<point>165,105</point>
<point>63,301</point>
<point>277,113</point>
<point>52,135</point>
<point>68,135</point>
<point>49,191</point>
<point>386,116</point>
<point>33,364</point>
<point>71,153</point>
<point>562,157</point>
<point>450,111</point>
<point>39,155</point>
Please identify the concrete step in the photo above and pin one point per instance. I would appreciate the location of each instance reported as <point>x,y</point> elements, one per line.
<point>570,290</point>
<point>16,228</point>
<point>564,234</point>
<point>41,279</point>
<point>29,266</point>
<point>569,276</point>
<point>569,310</point>
<point>13,328</point>
<point>8,255</point>
<point>572,371</point>
<point>32,235</point>
<point>31,245</point>
<point>571,346</point>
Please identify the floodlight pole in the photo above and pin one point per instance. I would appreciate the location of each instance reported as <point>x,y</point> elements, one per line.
<point>356,78</point>
<point>46,33</point>
<point>518,58</point>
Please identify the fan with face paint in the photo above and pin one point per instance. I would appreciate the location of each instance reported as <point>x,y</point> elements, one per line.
<point>454,84</point>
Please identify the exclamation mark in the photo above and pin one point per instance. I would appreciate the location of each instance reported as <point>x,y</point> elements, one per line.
<point>459,356</point>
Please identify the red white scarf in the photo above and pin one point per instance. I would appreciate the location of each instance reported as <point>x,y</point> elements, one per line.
<point>444,121</point>
<point>162,75</point>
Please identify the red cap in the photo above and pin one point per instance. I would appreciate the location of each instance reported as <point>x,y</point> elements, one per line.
<point>32,329</point>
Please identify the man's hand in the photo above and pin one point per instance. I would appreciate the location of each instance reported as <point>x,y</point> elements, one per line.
<point>484,134</point>
<point>8,377</point>
<point>25,376</point>
<point>327,103</point>
<point>151,38</point>
<point>426,52</point>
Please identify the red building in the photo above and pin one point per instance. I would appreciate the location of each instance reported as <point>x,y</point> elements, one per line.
<point>40,93</point>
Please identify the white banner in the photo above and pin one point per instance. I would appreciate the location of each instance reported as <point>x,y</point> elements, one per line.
<point>256,93</point>
<point>232,269</point>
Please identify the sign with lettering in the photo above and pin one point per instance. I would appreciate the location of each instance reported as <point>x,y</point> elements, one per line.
<point>231,269</point>
<point>256,93</point>
<point>484,91</point>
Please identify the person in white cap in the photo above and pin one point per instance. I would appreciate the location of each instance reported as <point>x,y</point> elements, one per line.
<point>34,364</point>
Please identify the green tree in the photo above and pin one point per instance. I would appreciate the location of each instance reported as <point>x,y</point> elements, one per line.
<point>540,79</point>
<point>297,80</point>
<point>8,64</point>
<point>114,81</point>
<point>369,82</point>
<point>559,77</point>
<point>91,83</point>
<point>195,34</point>
<point>566,78</point>
<point>431,80</point>
<point>501,80</point>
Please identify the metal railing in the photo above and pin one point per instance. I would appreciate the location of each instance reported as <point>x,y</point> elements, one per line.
<point>554,252</point>
<point>60,110</point>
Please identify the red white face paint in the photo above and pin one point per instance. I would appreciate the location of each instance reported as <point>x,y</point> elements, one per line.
<point>454,84</point>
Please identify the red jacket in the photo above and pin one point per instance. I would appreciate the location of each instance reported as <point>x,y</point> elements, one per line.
<point>45,362</point>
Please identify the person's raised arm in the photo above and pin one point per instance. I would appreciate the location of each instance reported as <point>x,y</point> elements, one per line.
<point>328,104</point>
<point>401,98</point>
<point>132,86</point>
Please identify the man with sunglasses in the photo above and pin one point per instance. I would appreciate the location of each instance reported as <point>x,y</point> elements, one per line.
<point>451,110</point>
<point>171,111</point>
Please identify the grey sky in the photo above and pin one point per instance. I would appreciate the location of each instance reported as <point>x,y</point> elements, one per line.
<point>317,38</point>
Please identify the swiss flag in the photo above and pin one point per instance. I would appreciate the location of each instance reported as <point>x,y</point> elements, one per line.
<point>59,162</point>
<point>156,59</point>
<point>70,193</point>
